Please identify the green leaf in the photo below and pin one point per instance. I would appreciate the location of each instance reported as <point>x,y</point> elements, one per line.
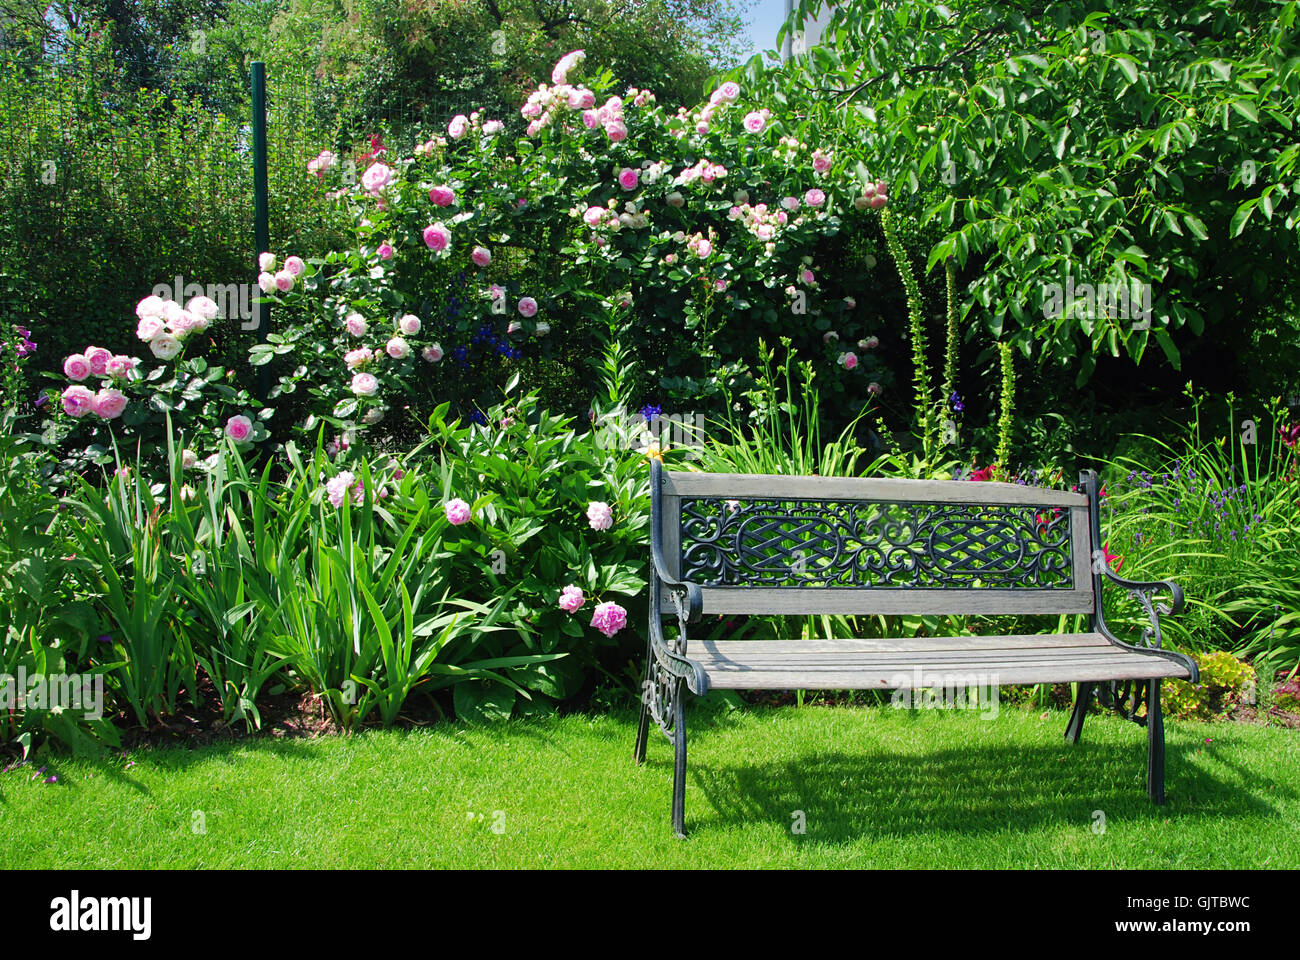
<point>482,701</point>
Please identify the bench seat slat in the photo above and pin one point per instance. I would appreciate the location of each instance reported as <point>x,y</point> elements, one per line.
<point>877,664</point>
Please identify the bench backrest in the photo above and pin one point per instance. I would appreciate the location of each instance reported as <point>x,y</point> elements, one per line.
<point>760,544</point>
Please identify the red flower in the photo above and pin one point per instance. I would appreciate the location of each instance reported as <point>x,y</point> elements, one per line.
<point>1119,562</point>
<point>1290,435</point>
<point>983,473</point>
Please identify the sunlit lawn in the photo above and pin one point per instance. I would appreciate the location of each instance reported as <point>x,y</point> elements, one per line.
<point>876,787</point>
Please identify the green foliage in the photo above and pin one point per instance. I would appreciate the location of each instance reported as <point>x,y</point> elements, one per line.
<point>1225,680</point>
<point>1138,143</point>
<point>1006,407</point>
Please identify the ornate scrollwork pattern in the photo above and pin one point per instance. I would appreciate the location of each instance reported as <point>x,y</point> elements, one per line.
<point>1126,697</point>
<point>1151,635</point>
<point>855,543</point>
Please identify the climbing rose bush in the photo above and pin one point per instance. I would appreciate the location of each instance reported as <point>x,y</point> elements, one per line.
<point>686,226</point>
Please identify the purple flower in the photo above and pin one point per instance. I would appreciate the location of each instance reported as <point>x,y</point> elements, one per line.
<point>650,412</point>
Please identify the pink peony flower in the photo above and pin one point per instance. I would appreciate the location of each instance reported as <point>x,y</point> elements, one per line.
<point>409,324</point>
<point>293,264</point>
<point>284,281</point>
<point>814,197</point>
<point>528,307</point>
<point>755,122</point>
<point>432,354</point>
<point>609,618</point>
<point>571,599</point>
<point>398,348</point>
<point>628,178</point>
<point>458,126</point>
<point>239,428</point>
<point>365,384</point>
<point>78,401</point>
<point>337,488</point>
<point>385,251</point>
<point>457,511</point>
<point>437,237</point>
<point>110,403</point>
<point>77,367</point>
<point>442,196</point>
<point>481,256</point>
<point>599,515</point>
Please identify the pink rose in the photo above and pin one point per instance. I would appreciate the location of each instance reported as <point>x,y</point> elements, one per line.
<point>458,127</point>
<point>571,599</point>
<point>266,262</point>
<point>78,401</point>
<point>398,348</point>
<point>821,162</point>
<point>267,282</point>
<point>355,358</point>
<point>593,216</point>
<point>457,511</point>
<point>850,361</point>
<point>814,197</point>
<point>874,388</point>
<point>492,127</point>
<point>356,325</point>
<point>432,354</point>
<point>437,237</point>
<point>609,618</point>
<point>481,256</point>
<point>580,98</point>
<point>560,73</point>
<point>120,366</point>
<point>790,203</point>
<point>807,276</point>
<point>590,120</point>
<point>616,130</point>
<point>628,178</point>
<point>409,324</point>
<point>729,91</point>
<point>599,515</point>
<point>239,428</point>
<point>755,122</point>
<point>98,358</point>
<point>284,281</point>
<point>77,367</point>
<point>385,251</point>
<point>442,196</point>
<point>110,403</point>
<point>293,264</point>
<point>365,384</point>
<point>528,307</point>
<point>150,306</point>
<point>376,177</point>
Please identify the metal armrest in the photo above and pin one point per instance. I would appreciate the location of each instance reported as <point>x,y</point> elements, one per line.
<point>1142,591</point>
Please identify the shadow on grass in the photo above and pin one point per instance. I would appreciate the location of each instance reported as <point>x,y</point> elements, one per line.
<point>970,791</point>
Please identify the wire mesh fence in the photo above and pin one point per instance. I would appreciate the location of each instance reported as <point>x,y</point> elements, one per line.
<point>109,191</point>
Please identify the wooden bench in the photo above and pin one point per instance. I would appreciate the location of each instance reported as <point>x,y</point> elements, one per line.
<point>749,544</point>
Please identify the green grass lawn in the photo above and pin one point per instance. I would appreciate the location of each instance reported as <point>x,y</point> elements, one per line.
<point>877,787</point>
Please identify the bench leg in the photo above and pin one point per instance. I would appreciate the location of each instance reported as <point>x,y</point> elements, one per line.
<point>679,768</point>
<point>643,727</point>
<point>1074,729</point>
<point>1155,744</point>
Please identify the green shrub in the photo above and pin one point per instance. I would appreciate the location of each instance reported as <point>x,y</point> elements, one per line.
<point>1225,681</point>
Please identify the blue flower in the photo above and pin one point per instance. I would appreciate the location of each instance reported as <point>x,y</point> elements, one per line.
<point>651,412</point>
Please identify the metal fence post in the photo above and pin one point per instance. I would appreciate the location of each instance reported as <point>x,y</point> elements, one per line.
<point>261,228</point>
